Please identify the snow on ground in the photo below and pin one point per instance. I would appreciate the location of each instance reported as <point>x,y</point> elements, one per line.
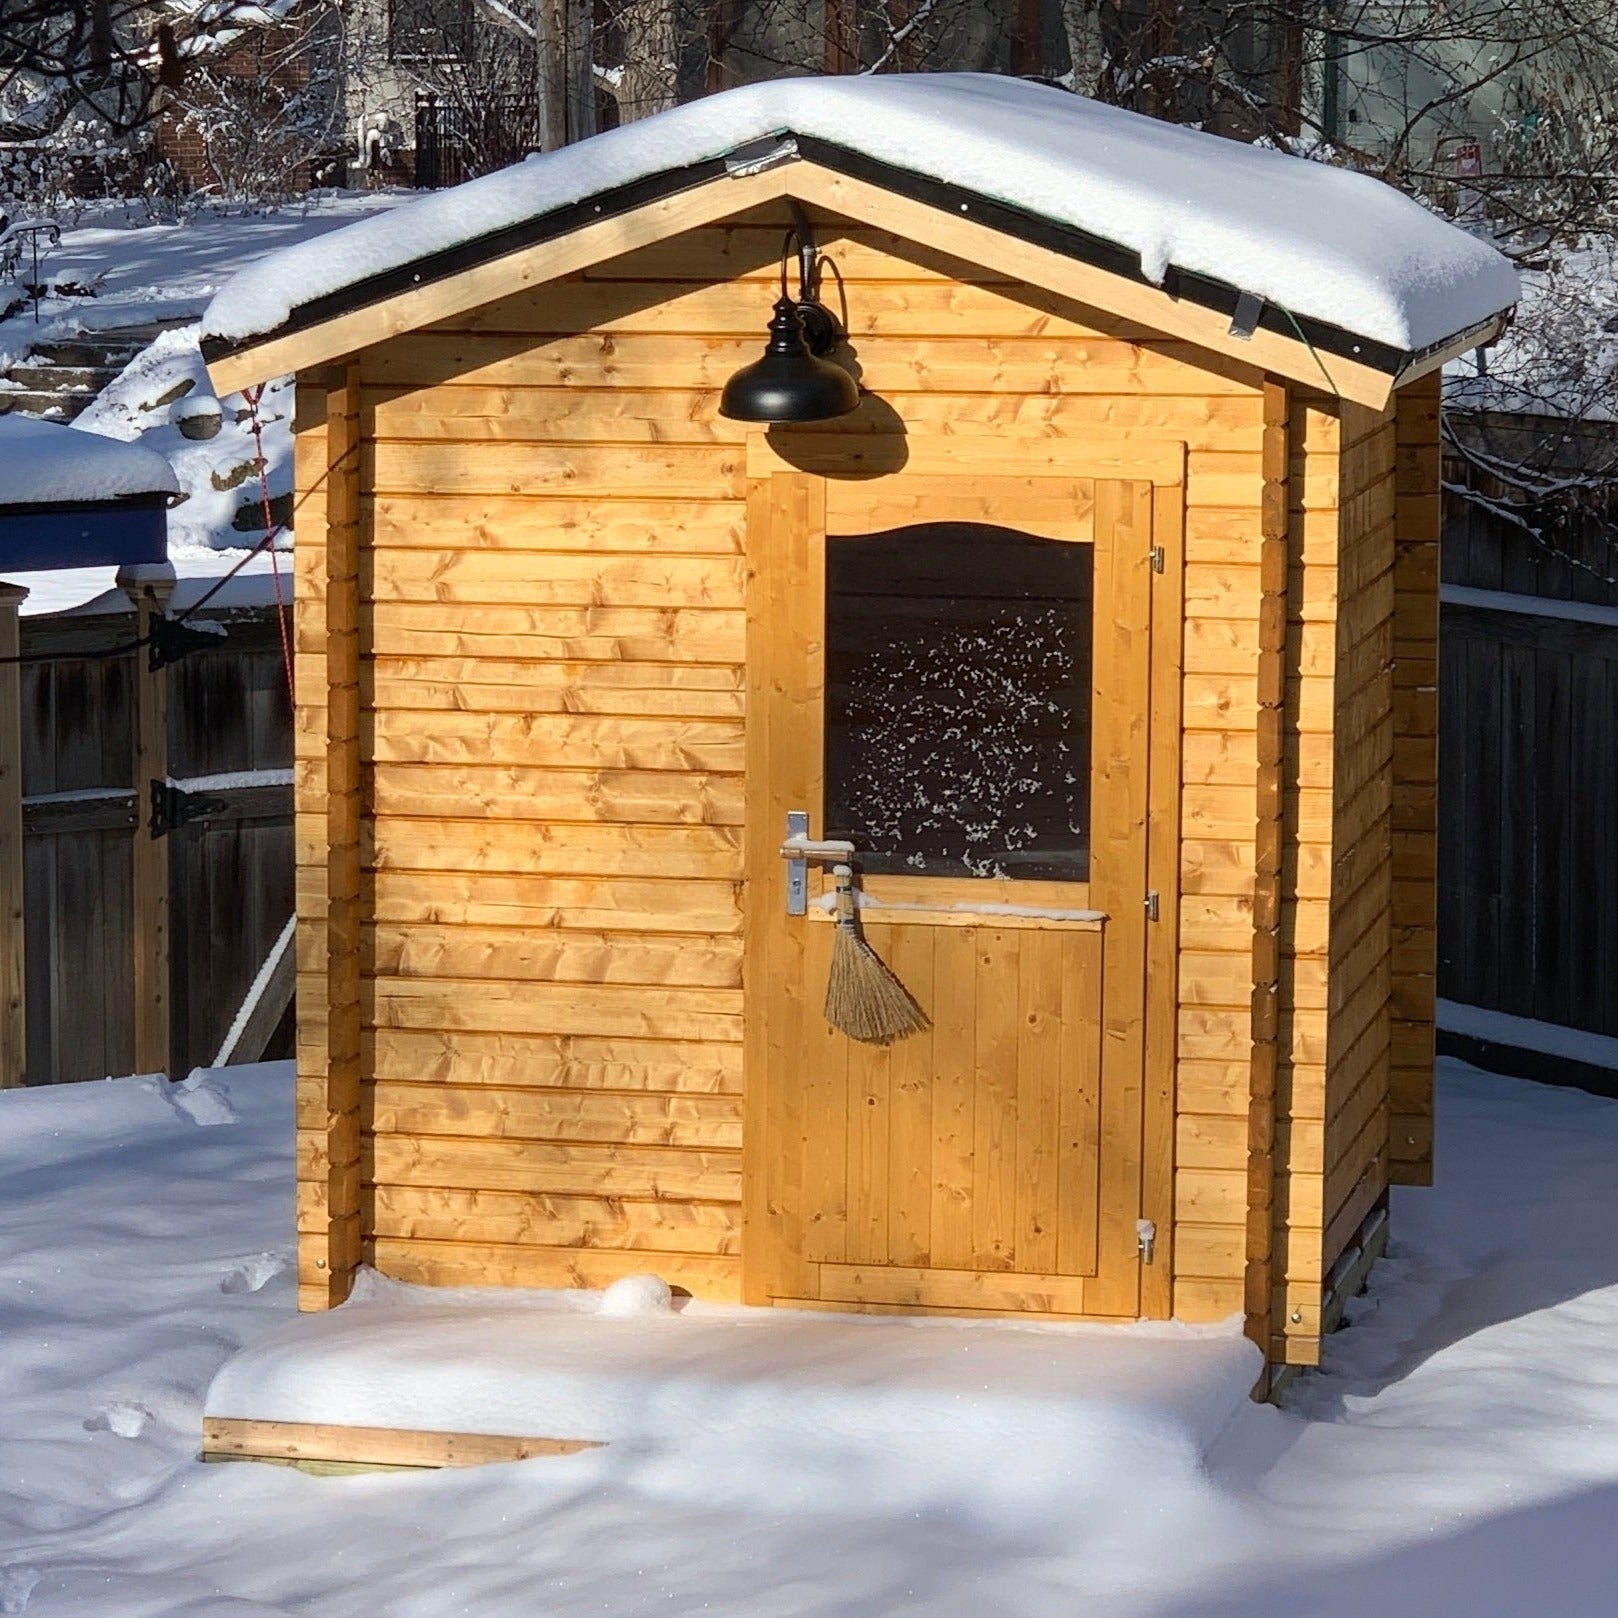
<point>131,270</point>
<point>218,476</point>
<point>1458,1455</point>
<point>133,273</point>
<point>987,1419</point>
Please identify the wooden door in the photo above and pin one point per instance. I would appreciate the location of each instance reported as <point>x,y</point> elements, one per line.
<point>956,674</point>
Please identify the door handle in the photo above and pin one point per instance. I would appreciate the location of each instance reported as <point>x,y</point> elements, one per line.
<point>798,850</point>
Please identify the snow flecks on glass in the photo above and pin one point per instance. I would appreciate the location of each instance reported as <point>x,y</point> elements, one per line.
<point>957,710</point>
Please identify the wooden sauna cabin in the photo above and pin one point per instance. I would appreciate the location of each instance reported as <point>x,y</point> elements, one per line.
<point>1103,628</point>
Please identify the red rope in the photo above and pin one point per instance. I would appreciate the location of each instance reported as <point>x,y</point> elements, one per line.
<point>271,530</point>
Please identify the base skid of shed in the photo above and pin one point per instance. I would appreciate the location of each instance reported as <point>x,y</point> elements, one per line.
<point>931,1408</point>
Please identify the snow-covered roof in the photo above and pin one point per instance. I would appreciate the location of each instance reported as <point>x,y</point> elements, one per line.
<point>1321,243</point>
<point>44,463</point>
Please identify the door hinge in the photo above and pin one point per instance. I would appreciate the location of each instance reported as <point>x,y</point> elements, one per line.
<point>1156,554</point>
<point>1146,1235</point>
<point>1151,905</point>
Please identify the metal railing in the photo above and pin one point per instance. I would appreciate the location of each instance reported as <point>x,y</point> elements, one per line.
<point>455,142</point>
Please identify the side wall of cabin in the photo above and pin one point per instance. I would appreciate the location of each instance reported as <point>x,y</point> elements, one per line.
<point>1359,1023</point>
<point>1361,608</point>
<point>1415,775</point>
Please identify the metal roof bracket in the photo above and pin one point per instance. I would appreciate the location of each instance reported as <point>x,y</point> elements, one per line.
<point>758,155</point>
<point>1249,311</point>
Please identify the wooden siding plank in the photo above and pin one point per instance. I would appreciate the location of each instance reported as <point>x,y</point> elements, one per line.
<point>572,1062</point>
<point>488,1113</point>
<point>462,1264</point>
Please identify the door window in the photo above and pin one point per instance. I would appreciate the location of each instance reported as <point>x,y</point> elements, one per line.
<point>958,682</point>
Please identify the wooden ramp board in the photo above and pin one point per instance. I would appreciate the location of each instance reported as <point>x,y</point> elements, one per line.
<point>320,1447</point>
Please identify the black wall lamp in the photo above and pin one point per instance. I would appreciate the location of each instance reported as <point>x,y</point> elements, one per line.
<point>793,381</point>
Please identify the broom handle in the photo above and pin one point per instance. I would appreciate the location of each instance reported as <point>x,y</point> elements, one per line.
<point>845,895</point>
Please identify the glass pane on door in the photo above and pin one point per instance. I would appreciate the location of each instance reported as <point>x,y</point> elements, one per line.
<point>958,686</point>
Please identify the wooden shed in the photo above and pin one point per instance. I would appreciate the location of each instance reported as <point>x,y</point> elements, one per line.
<point>1104,627</point>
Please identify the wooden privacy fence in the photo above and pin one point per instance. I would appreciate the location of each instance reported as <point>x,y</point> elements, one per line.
<point>1528,762</point>
<point>92,936</point>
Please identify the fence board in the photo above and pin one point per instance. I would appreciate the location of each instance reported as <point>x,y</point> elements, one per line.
<point>1528,771</point>
<point>231,876</point>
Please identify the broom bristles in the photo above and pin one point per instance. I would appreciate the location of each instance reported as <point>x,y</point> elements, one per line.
<point>863,997</point>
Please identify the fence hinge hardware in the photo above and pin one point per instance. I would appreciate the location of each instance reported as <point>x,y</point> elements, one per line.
<point>1151,905</point>
<point>1146,1237</point>
<point>170,639</point>
<point>173,807</point>
<point>1156,554</point>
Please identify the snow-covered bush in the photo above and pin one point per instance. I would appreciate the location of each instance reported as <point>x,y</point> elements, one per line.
<point>83,162</point>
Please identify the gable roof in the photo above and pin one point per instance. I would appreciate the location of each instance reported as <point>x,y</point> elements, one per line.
<point>1328,259</point>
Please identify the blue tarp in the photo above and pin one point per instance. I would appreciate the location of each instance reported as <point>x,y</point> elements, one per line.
<point>83,536</point>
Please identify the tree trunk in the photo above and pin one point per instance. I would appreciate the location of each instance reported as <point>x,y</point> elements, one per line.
<point>724,16</point>
<point>579,67</point>
<point>648,81</point>
<point>1027,37</point>
<point>842,42</point>
<point>1289,74</point>
<point>551,79</point>
<point>1086,45</point>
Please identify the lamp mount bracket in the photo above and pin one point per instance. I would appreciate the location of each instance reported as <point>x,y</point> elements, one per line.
<point>820,329</point>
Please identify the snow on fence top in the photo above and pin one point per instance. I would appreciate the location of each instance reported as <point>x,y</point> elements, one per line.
<point>44,463</point>
<point>1318,241</point>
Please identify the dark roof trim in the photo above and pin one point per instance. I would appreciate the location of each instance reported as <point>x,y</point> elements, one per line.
<point>452,261</point>
<point>1483,330</point>
<point>1203,290</point>
<point>1068,240</point>
<point>158,500</point>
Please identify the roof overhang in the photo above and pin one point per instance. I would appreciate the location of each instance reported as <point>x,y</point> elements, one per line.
<point>1214,316</point>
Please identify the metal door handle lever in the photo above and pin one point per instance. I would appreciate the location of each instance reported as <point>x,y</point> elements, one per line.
<point>806,848</point>
<point>798,849</point>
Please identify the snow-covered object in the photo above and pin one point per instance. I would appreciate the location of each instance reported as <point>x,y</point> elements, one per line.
<point>264,580</point>
<point>1319,241</point>
<point>44,463</point>
<point>257,989</point>
<point>994,1418</point>
<point>636,1295</point>
<point>198,416</point>
<point>198,1098</point>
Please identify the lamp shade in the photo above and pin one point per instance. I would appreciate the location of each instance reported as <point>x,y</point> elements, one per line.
<point>788,383</point>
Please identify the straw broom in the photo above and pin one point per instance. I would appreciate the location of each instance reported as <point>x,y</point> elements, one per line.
<point>863,998</point>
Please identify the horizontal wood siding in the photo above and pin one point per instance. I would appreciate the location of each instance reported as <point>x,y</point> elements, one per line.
<point>555,638</point>
<point>1223,809</point>
<point>1310,784</point>
<point>1413,901</point>
<point>1354,1142</point>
